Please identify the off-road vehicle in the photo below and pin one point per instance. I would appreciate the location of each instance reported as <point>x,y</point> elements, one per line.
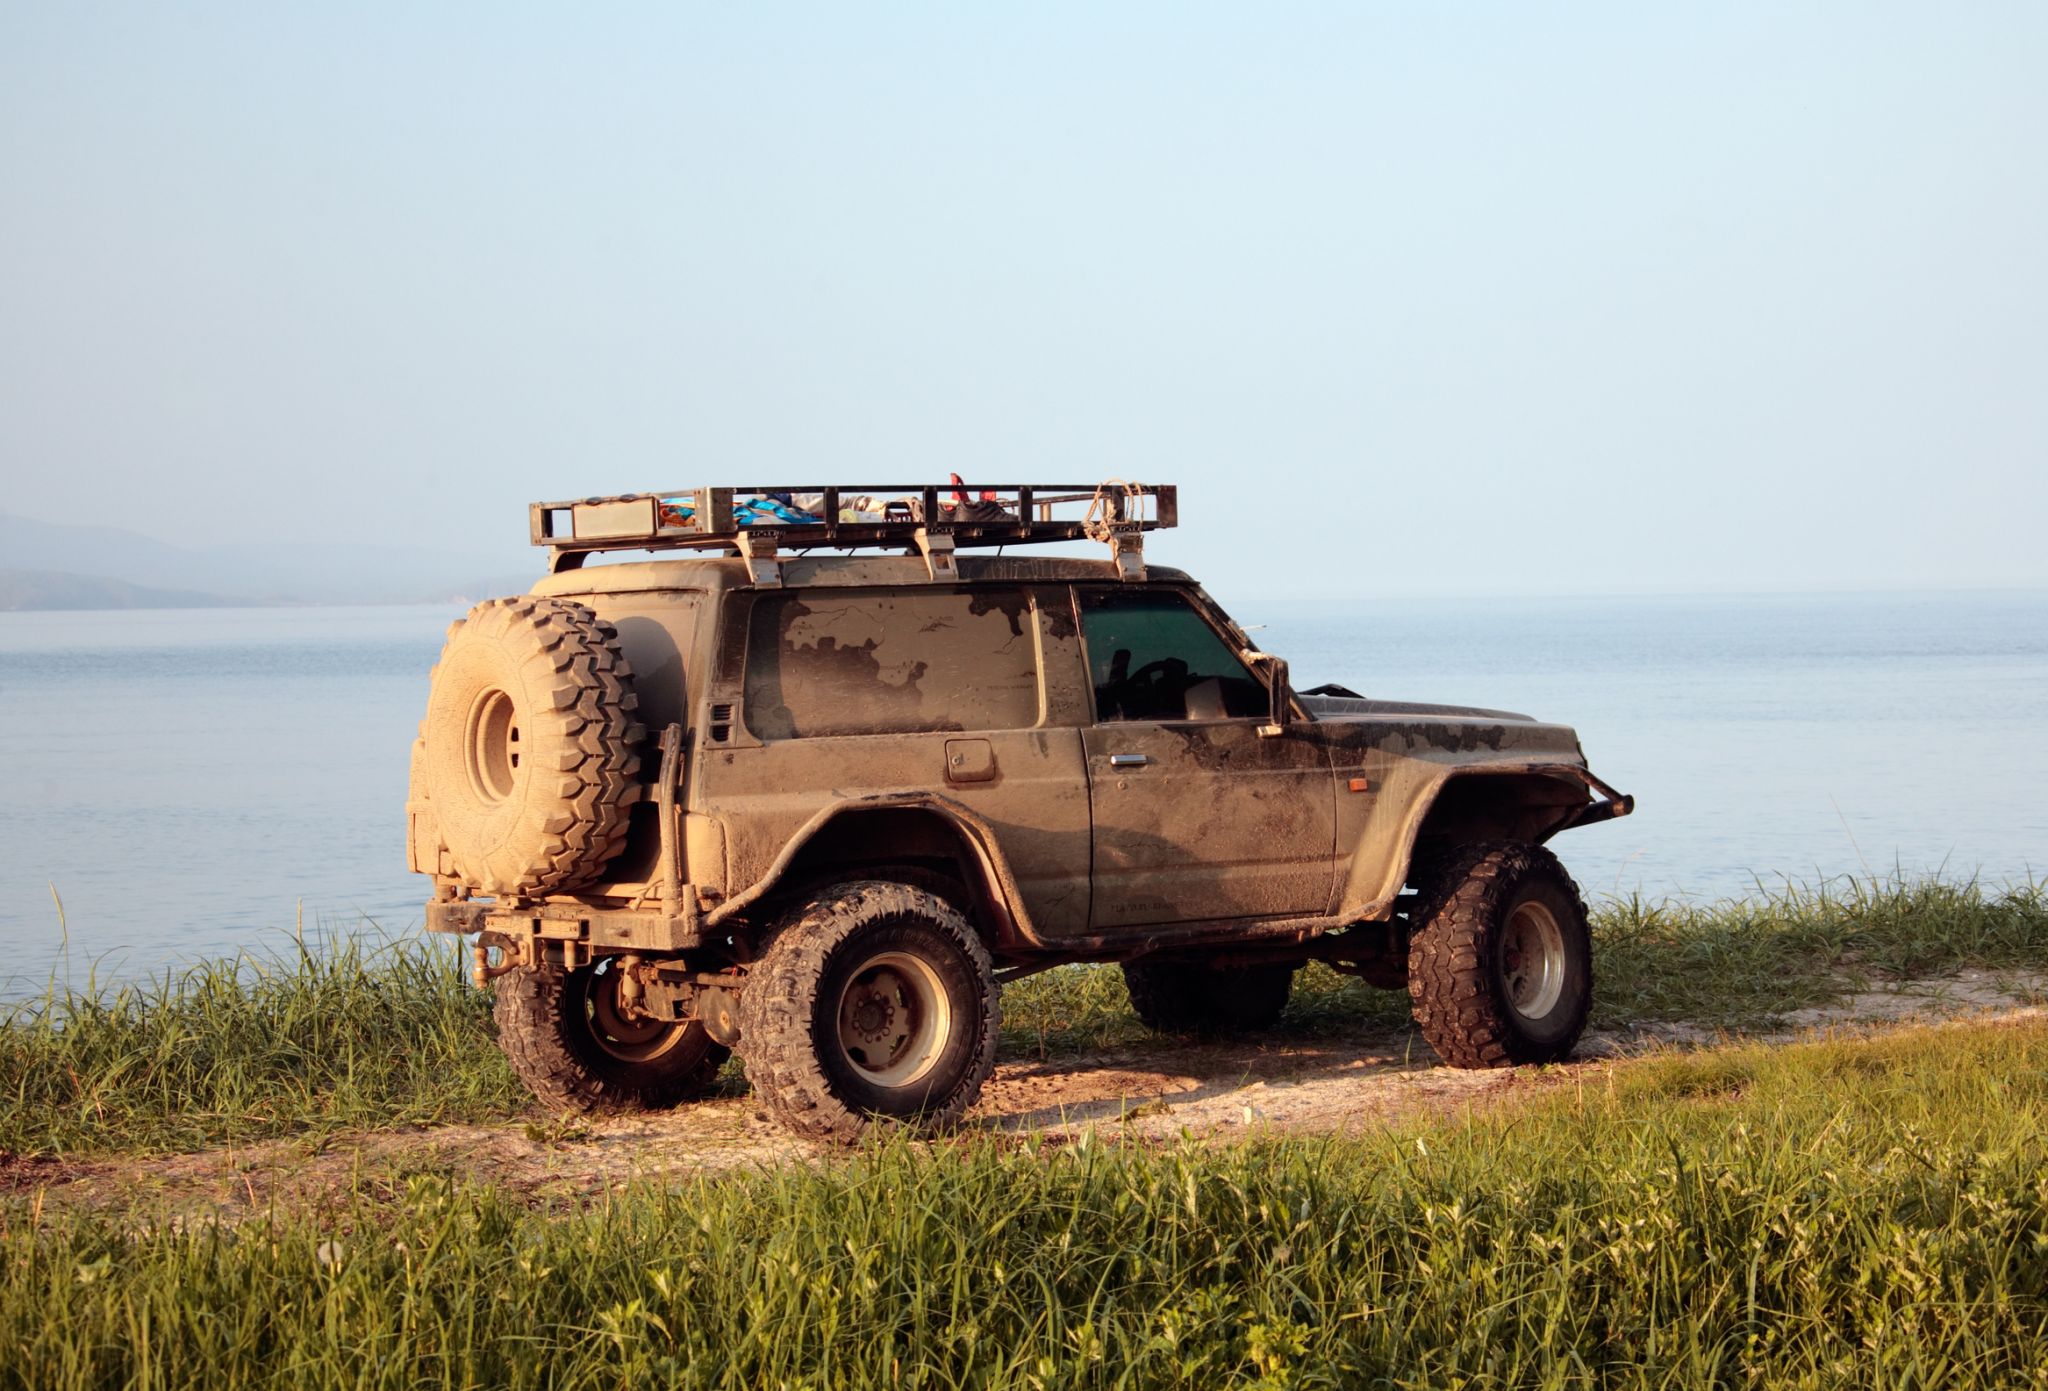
<point>816,795</point>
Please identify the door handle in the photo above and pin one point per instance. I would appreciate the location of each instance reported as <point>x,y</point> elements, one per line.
<point>1128,760</point>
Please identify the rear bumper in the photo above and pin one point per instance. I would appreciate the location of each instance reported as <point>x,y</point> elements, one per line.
<point>625,929</point>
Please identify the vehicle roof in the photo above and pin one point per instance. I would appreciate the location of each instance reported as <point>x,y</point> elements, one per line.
<point>834,571</point>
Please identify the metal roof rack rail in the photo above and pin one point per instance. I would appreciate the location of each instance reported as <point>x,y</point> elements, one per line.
<point>761,524</point>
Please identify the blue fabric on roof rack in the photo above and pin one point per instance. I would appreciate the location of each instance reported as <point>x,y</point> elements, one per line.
<point>756,512</point>
<point>770,509</point>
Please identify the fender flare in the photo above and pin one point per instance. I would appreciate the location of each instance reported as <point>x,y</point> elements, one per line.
<point>1602,803</point>
<point>974,831</point>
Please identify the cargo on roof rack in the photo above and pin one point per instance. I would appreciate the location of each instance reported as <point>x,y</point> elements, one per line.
<point>760,523</point>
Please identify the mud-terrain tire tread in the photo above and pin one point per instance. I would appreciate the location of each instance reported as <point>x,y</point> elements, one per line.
<point>538,1038</point>
<point>576,658</point>
<point>1450,981</point>
<point>777,1008</point>
<point>1187,997</point>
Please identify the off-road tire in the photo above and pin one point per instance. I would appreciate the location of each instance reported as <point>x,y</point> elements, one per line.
<point>1187,997</point>
<point>791,1025</point>
<point>1459,975</point>
<point>529,747</point>
<point>549,1031</point>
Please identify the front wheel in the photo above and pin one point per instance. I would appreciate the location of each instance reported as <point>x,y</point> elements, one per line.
<point>872,1001</point>
<point>567,1036</point>
<point>1500,965</point>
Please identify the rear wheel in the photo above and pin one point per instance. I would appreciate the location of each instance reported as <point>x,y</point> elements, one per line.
<point>1188,997</point>
<point>1500,966</point>
<point>873,1001</point>
<point>569,1040</point>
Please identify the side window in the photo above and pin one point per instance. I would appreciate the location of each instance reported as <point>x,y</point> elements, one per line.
<point>1152,657</point>
<point>849,661</point>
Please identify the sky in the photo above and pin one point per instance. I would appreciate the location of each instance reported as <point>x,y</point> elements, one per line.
<point>1407,298</point>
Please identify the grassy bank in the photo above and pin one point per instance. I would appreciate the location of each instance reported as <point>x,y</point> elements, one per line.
<point>1838,1214</point>
<point>1742,963</point>
<point>359,1034</point>
<point>1733,965</point>
<point>353,1033</point>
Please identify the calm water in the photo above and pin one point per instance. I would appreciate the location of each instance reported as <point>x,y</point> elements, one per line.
<point>189,780</point>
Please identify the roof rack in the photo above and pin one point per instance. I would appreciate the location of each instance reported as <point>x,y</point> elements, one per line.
<point>759,524</point>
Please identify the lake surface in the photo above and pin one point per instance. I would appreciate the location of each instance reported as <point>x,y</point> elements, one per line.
<point>191,781</point>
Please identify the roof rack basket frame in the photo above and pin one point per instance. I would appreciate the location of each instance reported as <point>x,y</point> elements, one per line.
<point>759,524</point>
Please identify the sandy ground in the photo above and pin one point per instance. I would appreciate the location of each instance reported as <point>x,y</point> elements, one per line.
<point>1154,1092</point>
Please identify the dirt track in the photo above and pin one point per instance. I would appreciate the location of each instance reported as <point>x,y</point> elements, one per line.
<point>1154,1092</point>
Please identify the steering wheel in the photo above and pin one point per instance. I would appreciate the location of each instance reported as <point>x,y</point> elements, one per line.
<point>1151,686</point>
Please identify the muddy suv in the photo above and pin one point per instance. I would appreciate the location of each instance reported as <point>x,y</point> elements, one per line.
<point>818,808</point>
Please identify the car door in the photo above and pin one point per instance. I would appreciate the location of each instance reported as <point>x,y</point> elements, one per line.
<point>1196,815</point>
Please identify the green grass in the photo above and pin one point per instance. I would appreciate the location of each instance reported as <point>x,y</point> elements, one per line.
<point>1742,963</point>
<point>358,1032</point>
<point>363,1033</point>
<point>1732,965</point>
<point>1839,1214</point>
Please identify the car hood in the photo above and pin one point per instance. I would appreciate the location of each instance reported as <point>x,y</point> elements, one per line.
<point>1331,707</point>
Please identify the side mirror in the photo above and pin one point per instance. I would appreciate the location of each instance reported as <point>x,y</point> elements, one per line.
<point>1279,697</point>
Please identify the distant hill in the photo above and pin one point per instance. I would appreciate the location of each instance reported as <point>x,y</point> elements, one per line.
<point>22,590</point>
<point>310,571</point>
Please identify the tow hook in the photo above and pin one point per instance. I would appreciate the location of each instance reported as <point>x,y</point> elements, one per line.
<point>483,972</point>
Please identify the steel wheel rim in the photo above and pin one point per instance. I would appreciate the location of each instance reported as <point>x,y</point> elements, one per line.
<point>491,748</point>
<point>630,1040</point>
<point>1532,960</point>
<point>892,1019</point>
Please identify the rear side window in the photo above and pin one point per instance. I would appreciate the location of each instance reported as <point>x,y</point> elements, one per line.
<point>1153,657</point>
<point>825,661</point>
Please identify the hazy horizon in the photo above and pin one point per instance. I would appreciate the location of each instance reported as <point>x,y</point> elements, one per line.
<point>1481,301</point>
<point>1246,586</point>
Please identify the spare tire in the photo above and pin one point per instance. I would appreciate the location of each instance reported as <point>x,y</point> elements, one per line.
<point>530,748</point>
